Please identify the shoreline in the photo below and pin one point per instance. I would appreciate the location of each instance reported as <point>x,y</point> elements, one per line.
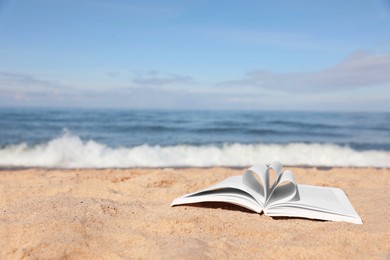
<point>122,213</point>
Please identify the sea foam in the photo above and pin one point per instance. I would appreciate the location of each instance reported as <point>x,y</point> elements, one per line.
<point>69,151</point>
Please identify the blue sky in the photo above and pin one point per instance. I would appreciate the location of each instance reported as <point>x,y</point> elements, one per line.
<point>195,54</point>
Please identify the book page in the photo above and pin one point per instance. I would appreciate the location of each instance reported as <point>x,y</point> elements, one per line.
<point>311,214</point>
<point>263,173</point>
<point>228,195</point>
<point>284,189</point>
<point>317,201</point>
<point>255,186</point>
<point>230,190</point>
<point>326,198</point>
<point>240,183</point>
<point>277,169</point>
<point>260,185</point>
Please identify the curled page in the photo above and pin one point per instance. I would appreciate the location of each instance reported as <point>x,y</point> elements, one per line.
<point>250,180</point>
<point>285,189</point>
<point>253,186</point>
<point>277,167</point>
<point>231,190</point>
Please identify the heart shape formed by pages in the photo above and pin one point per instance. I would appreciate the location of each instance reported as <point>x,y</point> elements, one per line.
<point>268,189</point>
<point>257,179</point>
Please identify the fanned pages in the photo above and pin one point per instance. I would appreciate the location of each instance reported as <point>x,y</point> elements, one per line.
<point>281,198</point>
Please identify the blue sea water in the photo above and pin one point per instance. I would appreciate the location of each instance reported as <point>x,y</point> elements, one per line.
<point>74,138</point>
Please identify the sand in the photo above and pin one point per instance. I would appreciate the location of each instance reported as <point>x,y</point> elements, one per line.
<point>114,213</point>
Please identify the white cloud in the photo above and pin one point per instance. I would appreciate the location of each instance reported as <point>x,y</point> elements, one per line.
<point>21,87</point>
<point>360,69</point>
<point>154,78</point>
<point>265,90</point>
<point>20,80</point>
<point>283,39</point>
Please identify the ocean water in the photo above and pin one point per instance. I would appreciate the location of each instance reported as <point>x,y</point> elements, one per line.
<point>99,138</point>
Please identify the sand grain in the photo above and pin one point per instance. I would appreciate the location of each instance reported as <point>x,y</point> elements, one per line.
<point>125,213</point>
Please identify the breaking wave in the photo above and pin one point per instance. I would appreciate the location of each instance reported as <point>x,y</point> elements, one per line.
<point>69,151</point>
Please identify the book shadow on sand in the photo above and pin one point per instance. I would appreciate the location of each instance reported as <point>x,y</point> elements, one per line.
<point>220,205</point>
<point>305,219</point>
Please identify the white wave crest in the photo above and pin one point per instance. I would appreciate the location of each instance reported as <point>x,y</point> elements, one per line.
<point>69,151</point>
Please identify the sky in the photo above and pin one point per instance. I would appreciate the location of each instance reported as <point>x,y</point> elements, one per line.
<point>196,54</point>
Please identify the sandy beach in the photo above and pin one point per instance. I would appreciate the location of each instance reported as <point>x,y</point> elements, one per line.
<point>122,213</point>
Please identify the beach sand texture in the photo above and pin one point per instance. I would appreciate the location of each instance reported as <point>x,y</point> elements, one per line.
<point>114,213</point>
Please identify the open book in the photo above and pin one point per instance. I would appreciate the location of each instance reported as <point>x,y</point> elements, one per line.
<point>282,198</point>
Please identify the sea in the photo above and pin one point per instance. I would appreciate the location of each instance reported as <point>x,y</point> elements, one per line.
<point>124,138</point>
